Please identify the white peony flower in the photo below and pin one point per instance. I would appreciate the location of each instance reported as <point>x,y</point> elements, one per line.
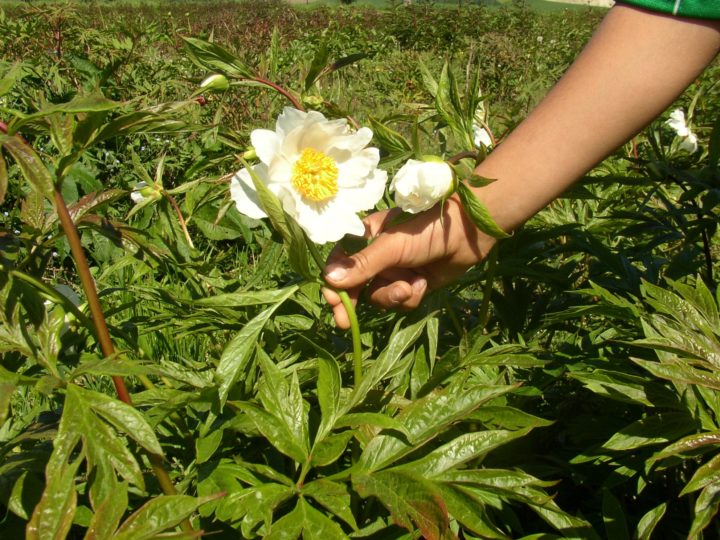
<point>481,137</point>
<point>145,192</point>
<point>678,125</point>
<point>418,185</point>
<point>319,169</point>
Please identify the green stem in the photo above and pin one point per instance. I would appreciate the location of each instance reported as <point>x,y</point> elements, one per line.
<point>355,330</point>
<point>349,308</point>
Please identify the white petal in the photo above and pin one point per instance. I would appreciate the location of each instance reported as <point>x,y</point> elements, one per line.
<point>689,143</point>
<point>288,120</point>
<point>341,148</point>
<point>363,197</point>
<point>353,171</point>
<point>242,192</point>
<point>266,144</point>
<point>327,222</point>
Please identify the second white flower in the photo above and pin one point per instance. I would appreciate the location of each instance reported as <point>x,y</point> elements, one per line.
<point>419,185</point>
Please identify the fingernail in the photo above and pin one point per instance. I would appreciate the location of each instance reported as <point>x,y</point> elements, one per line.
<point>336,273</point>
<point>419,285</point>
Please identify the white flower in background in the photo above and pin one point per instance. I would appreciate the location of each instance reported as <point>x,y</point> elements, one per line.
<point>677,123</point>
<point>144,193</point>
<point>319,169</point>
<point>481,137</point>
<point>418,185</point>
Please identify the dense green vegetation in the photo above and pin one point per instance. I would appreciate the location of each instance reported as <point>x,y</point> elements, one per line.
<point>567,387</point>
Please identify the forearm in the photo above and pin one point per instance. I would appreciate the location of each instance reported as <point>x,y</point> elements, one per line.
<point>636,64</point>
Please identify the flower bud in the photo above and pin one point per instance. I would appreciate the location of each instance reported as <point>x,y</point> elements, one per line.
<point>419,185</point>
<point>215,83</point>
<point>142,192</point>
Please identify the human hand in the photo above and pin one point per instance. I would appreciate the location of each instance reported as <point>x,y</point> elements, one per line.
<point>404,261</point>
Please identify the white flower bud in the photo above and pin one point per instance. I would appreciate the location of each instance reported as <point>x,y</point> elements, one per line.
<point>419,185</point>
<point>677,123</point>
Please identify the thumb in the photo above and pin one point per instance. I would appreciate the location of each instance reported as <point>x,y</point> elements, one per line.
<point>348,271</point>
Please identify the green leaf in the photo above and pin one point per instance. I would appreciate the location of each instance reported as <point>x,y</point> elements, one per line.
<point>108,513</point>
<point>378,420</point>
<point>124,417</point>
<point>319,62</point>
<point>53,516</point>
<point>158,515</point>
<point>330,448</point>
<point>25,494</point>
<point>6,392</point>
<point>461,450</point>
<point>508,418</point>
<point>79,104</point>
<point>388,138</point>
<point>214,58</point>
<point>237,353</point>
<point>30,164</point>
<point>688,444</point>
<point>649,521</point>
<point>329,385</point>
<point>4,178</point>
<point>479,213</point>
<point>469,511</point>
<point>412,501</point>
<point>706,509</point>
<point>656,429</point>
<point>276,432</point>
<point>675,369</point>
<point>284,401</point>
<point>614,517</point>
<point>205,447</point>
<point>399,343</point>
<point>424,419</point>
<point>253,505</point>
<point>707,474</point>
<point>332,496</point>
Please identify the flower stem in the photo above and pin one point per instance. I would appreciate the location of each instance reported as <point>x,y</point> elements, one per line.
<point>355,330</point>
<point>350,309</point>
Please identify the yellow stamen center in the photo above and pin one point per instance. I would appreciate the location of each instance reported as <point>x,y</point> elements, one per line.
<point>315,175</point>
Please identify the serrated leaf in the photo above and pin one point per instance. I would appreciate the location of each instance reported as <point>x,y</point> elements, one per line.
<point>479,213</point>
<point>412,501</point>
<point>237,353</point>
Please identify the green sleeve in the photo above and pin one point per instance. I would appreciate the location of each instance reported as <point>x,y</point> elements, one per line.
<point>701,9</point>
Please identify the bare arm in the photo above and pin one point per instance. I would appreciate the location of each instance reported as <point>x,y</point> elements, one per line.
<point>635,65</point>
